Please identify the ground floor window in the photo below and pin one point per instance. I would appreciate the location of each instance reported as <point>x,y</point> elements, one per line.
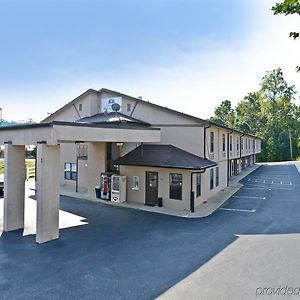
<point>70,171</point>
<point>211,179</point>
<point>136,183</point>
<point>217,176</point>
<point>176,186</point>
<point>198,184</point>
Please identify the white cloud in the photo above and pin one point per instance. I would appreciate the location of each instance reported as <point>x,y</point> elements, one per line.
<point>194,82</point>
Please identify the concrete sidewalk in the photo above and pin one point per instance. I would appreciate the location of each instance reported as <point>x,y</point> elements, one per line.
<point>297,164</point>
<point>202,210</point>
<point>214,202</point>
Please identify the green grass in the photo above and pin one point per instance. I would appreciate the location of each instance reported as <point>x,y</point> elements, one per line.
<point>30,163</point>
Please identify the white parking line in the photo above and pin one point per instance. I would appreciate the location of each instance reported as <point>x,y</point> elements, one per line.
<point>236,209</point>
<point>279,188</point>
<point>273,187</point>
<point>268,175</point>
<point>256,188</point>
<point>250,184</point>
<point>249,197</point>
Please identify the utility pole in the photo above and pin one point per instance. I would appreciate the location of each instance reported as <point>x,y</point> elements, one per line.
<point>291,148</point>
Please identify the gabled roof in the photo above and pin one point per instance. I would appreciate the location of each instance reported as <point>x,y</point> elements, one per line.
<point>164,156</point>
<point>89,91</point>
<point>138,100</point>
<point>154,105</point>
<point>112,118</point>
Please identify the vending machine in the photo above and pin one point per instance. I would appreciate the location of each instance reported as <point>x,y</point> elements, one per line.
<point>118,190</point>
<point>105,186</point>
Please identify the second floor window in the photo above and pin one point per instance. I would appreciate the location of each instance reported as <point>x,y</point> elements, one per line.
<point>230,143</point>
<point>212,142</point>
<point>223,142</point>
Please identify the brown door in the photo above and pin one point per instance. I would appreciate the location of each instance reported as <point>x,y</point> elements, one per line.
<point>151,188</point>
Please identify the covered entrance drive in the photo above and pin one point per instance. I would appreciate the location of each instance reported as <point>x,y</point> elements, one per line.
<point>48,137</point>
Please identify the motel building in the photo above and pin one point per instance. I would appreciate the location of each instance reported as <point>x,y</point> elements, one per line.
<point>163,157</point>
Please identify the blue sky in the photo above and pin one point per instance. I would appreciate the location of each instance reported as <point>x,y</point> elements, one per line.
<point>52,51</point>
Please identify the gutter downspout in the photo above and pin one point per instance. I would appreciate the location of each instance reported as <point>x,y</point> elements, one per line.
<point>204,152</point>
<point>228,161</point>
<point>192,197</point>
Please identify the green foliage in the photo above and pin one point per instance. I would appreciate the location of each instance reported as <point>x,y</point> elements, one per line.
<point>288,7</point>
<point>269,114</point>
<point>30,163</point>
<point>224,114</point>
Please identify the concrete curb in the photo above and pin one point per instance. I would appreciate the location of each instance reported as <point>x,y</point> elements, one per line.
<point>219,199</point>
<point>297,165</point>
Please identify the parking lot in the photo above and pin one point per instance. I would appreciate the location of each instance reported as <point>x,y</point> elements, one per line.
<point>118,253</point>
<point>265,183</point>
<point>264,218</point>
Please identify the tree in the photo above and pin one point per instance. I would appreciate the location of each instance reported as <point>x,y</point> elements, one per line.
<point>288,7</point>
<point>268,113</point>
<point>224,114</point>
<point>248,117</point>
<point>279,113</point>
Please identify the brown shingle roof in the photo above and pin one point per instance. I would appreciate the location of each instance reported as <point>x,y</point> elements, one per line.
<point>164,156</point>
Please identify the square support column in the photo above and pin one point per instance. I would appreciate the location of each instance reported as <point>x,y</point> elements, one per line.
<point>47,223</point>
<point>96,164</point>
<point>14,187</point>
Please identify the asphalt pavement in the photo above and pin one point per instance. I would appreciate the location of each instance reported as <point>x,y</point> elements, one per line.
<point>251,242</point>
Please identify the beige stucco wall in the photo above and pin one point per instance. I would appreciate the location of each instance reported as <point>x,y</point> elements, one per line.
<point>169,123</point>
<point>206,192</point>
<point>187,138</point>
<point>178,130</point>
<point>89,102</point>
<point>67,155</point>
<point>82,175</point>
<point>138,196</point>
<point>88,170</point>
<point>96,164</point>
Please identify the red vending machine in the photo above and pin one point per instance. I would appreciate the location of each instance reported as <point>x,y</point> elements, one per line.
<point>105,185</point>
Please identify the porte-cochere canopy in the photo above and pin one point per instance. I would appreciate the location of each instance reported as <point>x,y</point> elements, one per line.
<point>48,137</point>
